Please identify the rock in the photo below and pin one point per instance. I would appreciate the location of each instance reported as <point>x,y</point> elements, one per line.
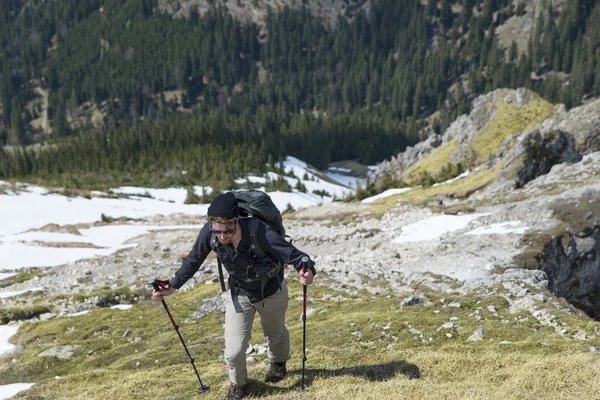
<point>46,316</point>
<point>580,335</point>
<point>210,305</point>
<point>127,333</point>
<point>261,349</point>
<point>412,300</point>
<point>61,352</point>
<point>448,325</point>
<point>477,335</point>
<point>540,297</point>
<point>103,301</point>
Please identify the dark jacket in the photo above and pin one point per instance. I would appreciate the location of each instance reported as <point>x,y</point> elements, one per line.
<point>236,261</point>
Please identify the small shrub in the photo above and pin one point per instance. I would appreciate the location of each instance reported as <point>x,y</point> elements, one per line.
<point>300,187</point>
<point>191,198</point>
<point>106,219</point>
<point>321,192</point>
<point>288,209</point>
<point>22,313</point>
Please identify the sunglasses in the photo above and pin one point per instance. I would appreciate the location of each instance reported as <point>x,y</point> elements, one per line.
<point>224,231</point>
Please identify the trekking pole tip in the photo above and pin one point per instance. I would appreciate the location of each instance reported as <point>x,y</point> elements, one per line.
<point>203,389</point>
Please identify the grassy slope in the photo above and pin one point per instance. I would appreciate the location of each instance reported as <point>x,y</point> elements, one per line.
<point>422,195</point>
<point>508,120</point>
<point>537,363</point>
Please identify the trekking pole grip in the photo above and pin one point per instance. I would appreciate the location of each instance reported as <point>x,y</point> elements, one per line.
<point>158,285</point>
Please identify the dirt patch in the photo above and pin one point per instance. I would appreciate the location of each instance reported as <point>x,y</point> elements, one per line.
<point>54,228</point>
<point>73,245</point>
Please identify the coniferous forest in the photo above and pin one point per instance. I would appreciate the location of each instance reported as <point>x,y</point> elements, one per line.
<point>360,88</point>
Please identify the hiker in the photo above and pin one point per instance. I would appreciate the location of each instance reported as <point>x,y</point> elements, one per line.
<point>236,249</point>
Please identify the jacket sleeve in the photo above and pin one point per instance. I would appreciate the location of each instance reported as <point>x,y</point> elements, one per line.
<point>194,259</point>
<point>272,243</point>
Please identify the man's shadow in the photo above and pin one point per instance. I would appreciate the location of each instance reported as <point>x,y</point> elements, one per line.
<point>374,373</point>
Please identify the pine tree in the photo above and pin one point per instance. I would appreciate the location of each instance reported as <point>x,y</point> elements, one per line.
<point>446,13</point>
<point>16,134</point>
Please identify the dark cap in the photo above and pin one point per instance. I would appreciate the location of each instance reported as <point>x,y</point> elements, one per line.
<point>224,206</point>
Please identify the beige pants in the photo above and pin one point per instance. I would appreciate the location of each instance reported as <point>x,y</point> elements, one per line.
<point>238,328</point>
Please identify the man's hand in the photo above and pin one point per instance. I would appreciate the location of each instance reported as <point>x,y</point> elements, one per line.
<point>167,291</point>
<point>306,276</point>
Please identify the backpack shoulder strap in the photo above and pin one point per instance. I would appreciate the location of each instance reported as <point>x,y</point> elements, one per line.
<point>258,251</point>
<point>214,244</point>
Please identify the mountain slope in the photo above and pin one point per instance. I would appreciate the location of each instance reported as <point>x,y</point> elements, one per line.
<point>401,60</point>
<point>399,304</point>
<point>512,136</point>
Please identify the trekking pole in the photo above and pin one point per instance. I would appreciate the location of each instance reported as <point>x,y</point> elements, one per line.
<point>158,285</point>
<point>304,260</point>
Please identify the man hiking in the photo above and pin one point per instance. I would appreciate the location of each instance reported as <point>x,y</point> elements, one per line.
<point>253,254</point>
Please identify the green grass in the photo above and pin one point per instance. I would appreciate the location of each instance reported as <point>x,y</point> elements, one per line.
<point>22,275</point>
<point>508,121</point>
<point>19,313</point>
<point>432,164</point>
<point>385,360</point>
<point>422,195</point>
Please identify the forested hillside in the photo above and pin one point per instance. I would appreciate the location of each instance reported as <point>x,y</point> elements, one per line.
<point>132,89</point>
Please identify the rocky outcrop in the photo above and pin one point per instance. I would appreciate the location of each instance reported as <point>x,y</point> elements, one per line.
<point>465,131</point>
<point>521,157</point>
<point>534,155</point>
<point>571,254</point>
<point>565,138</point>
<point>256,12</point>
<point>582,123</point>
<point>572,264</point>
<point>397,165</point>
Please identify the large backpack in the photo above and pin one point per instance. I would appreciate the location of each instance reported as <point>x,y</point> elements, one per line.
<point>257,205</point>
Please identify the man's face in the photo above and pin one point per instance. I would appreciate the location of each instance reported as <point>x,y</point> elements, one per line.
<point>224,232</point>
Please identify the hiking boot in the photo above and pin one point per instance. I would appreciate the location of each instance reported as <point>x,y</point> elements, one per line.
<point>276,373</point>
<point>235,392</point>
